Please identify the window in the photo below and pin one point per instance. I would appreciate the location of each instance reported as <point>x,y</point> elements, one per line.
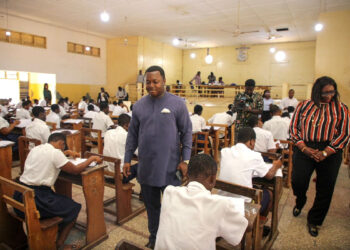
<point>83,49</point>
<point>23,38</point>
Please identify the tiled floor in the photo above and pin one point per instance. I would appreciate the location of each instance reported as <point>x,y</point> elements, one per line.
<point>334,234</point>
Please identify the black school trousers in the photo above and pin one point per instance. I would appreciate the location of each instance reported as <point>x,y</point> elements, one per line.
<point>326,172</point>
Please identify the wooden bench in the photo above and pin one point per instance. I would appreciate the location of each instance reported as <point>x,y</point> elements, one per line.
<point>41,234</point>
<point>224,142</point>
<point>201,144</point>
<point>127,245</point>
<point>287,154</point>
<point>87,140</point>
<point>123,192</point>
<point>252,239</point>
<point>23,149</point>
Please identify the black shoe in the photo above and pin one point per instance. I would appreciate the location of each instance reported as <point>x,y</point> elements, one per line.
<point>150,245</point>
<point>266,231</point>
<point>313,230</point>
<point>296,211</point>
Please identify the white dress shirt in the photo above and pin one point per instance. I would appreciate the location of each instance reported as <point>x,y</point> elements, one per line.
<point>286,102</point>
<point>198,123</point>
<point>23,114</point>
<point>38,129</point>
<point>4,110</point>
<point>66,106</point>
<point>238,165</point>
<point>3,123</point>
<point>111,107</point>
<point>278,127</point>
<point>118,110</point>
<point>223,118</point>
<point>43,103</point>
<point>55,118</point>
<point>264,140</point>
<point>90,114</point>
<point>96,108</point>
<point>192,218</point>
<point>267,103</point>
<point>102,122</point>
<point>82,105</point>
<point>43,165</point>
<point>62,111</point>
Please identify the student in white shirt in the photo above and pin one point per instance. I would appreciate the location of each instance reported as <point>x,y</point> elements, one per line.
<point>224,117</point>
<point>121,108</point>
<point>192,218</point>
<point>276,125</point>
<point>286,118</point>
<point>264,139</point>
<point>114,145</point>
<point>36,103</point>
<point>66,104</point>
<point>112,106</point>
<point>266,114</point>
<point>44,103</point>
<point>198,122</point>
<point>63,114</point>
<point>91,112</point>
<point>54,116</point>
<point>289,101</point>
<point>92,102</point>
<point>5,132</point>
<point>24,113</point>
<point>19,105</point>
<point>121,94</point>
<point>130,112</point>
<point>239,164</point>
<point>38,128</point>
<point>41,170</point>
<point>102,121</point>
<point>4,109</point>
<point>82,104</point>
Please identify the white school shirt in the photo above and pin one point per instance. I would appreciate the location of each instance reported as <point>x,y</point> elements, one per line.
<point>42,103</point>
<point>267,103</point>
<point>278,127</point>
<point>82,105</point>
<point>38,129</point>
<point>62,111</point>
<point>23,114</point>
<point>264,140</point>
<point>66,106</point>
<point>114,145</point>
<point>102,122</point>
<point>238,165</point>
<point>43,165</point>
<point>90,114</point>
<point>198,123</point>
<point>287,120</point>
<point>19,105</point>
<point>119,110</point>
<point>4,110</point>
<point>111,107</point>
<point>192,218</point>
<point>55,118</point>
<point>286,102</point>
<point>3,123</point>
<point>96,108</point>
<point>223,118</point>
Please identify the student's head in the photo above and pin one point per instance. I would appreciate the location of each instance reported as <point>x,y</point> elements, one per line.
<point>120,88</point>
<point>155,81</point>
<point>229,113</point>
<point>291,93</point>
<point>177,81</point>
<point>198,109</point>
<point>55,108</point>
<point>198,73</point>
<point>58,140</point>
<point>46,86</point>
<point>247,136</point>
<point>202,168</point>
<point>211,73</point>
<point>230,106</point>
<point>39,112</point>
<point>26,104</point>
<point>253,121</point>
<point>290,109</point>
<point>115,103</point>
<point>47,100</point>
<point>124,121</point>
<point>102,90</point>
<point>36,101</point>
<point>84,98</point>
<point>324,90</point>
<point>220,79</point>
<point>61,101</point>
<point>104,107</point>
<point>275,110</point>
<point>267,94</point>
<point>120,102</point>
<point>91,101</point>
<point>249,86</point>
<point>91,107</point>
<point>285,114</point>
<point>140,72</point>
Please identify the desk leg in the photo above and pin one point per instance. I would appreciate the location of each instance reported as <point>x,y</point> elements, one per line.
<point>93,187</point>
<point>216,146</point>
<point>77,142</point>
<point>6,162</point>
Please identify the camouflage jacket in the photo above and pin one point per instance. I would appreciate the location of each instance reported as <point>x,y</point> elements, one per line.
<point>256,102</point>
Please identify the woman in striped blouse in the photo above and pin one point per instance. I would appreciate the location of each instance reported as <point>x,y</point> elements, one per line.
<point>320,130</point>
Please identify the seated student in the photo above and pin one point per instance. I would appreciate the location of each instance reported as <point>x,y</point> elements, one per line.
<point>82,104</point>
<point>121,94</point>
<point>53,116</point>
<point>23,113</point>
<point>66,104</point>
<point>38,128</point>
<point>41,169</point>
<point>114,145</point>
<point>224,117</point>
<point>130,112</point>
<point>91,112</point>
<point>4,108</point>
<point>92,102</point>
<point>63,114</point>
<point>198,122</point>
<point>102,121</point>
<point>286,118</point>
<point>239,164</point>
<point>6,129</point>
<point>276,125</point>
<point>264,139</point>
<point>192,218</point>
<point>121,108</point>
<point>290,110</point>
<point>45,102</point>
<point>112,106</point>
<point>36,103</point>
<point>19,105</point>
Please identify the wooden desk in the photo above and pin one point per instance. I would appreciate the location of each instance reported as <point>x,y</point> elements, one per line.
<point>6,159</point>
<point>73,125</point>
<point>73,139</point>
<point>92,181</point>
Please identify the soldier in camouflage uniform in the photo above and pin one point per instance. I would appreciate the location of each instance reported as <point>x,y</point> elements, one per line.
<point>247,104</point>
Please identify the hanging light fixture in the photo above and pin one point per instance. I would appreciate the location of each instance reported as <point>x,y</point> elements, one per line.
<point>193,55</point>
<point>208,58</point>
<point>104,16</point>
<point>318,27</point>
<point>176,41</point>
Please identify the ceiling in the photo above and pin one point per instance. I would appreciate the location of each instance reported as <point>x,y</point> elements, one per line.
<point>205,23</point>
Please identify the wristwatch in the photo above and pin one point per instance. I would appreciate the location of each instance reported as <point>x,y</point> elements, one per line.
<point>187,161</point>
<point>324,153</point>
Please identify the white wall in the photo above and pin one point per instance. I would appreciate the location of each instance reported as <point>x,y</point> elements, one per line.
<point>68,67</point>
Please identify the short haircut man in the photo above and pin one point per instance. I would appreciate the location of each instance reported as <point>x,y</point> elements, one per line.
<point>250,83</point>
<point>55,108</point>
<point>123,120</point>
<point>37,110</point>
<point>198,109</point>
<point>156,68</point>
<point>245,135</point>
<point>91,107</point>
<point>275,110</point>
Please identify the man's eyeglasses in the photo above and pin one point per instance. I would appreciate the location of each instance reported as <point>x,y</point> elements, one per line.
<point>325,94</point>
